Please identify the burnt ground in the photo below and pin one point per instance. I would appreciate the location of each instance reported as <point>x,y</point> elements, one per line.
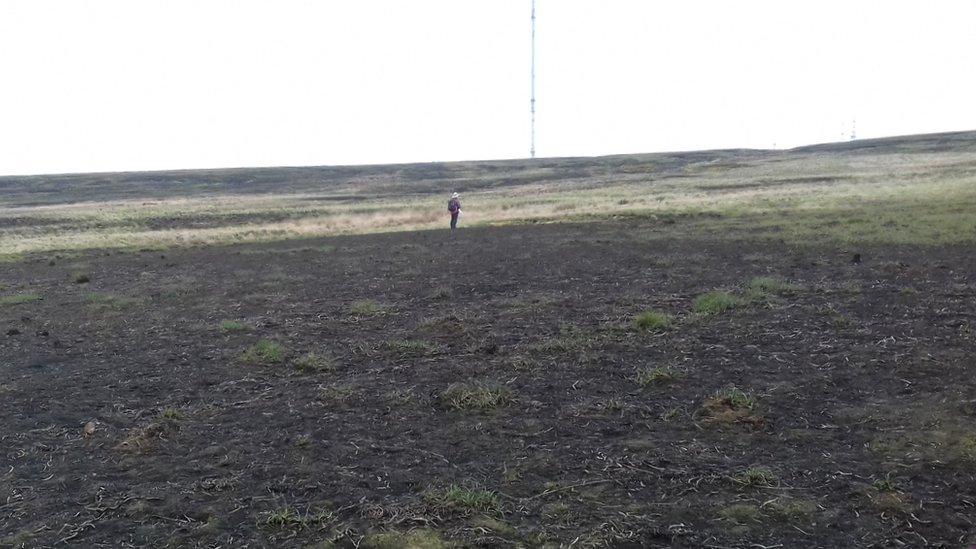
<point>131,419</point>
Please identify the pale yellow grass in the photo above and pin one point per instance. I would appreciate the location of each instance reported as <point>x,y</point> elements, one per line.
<point>920,198</point>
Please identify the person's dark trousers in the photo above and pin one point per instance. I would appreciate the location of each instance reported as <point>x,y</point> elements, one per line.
<point>454,221</point>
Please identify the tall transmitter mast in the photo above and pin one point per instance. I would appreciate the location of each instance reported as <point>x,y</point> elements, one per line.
<point>532,101</point>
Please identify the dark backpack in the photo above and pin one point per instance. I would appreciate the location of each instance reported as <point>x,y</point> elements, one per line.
<point>453,205</point>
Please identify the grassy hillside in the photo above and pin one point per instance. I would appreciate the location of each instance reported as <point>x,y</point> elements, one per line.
<point>914,190</point>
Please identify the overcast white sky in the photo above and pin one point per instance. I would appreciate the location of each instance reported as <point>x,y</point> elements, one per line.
<point>104,85</point>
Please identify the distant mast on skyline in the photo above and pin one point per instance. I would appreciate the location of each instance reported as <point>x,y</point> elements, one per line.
<point>532,100</point>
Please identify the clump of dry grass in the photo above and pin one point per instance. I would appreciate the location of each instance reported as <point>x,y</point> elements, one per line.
<point>291,518</point>
<point>451,325</point>
<point>142,440</point>
<point>476,396</point>
<point>409,347</point>
<point>18,299</point>
<point>414,539</point>
<point>731,406</point>
<point>312,362</point>
<point>655,376</point>
<point>755,477</point>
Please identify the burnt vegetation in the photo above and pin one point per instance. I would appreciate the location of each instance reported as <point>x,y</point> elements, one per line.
<point>634,381</point>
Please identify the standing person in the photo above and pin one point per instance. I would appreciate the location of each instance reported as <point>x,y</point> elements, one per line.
<point>454,207</point>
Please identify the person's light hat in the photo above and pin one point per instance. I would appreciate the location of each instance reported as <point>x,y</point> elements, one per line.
<point>455,195</point>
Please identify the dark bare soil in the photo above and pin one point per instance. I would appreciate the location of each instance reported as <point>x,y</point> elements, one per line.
<point>130,418</point>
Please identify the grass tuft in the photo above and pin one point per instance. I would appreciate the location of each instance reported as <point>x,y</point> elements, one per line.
<point>716,302</point>
<point>450,325</point>
<point>143,440</point>
<point>311,363</point>
<point>737,398</point>
<point>885,485</point>
<point>464,500</point>
<point>18,299</point>
<point>232,326</point>
<point>366,307</point>
<point>286,517</point>
<point>740,514</point>
<point>476,396</point>
<point>412,347</point>
<point>755,477</point>
<point>655,376</point>
<point>569,340</point>
<point>264,352</point>
<point>170,413</point>
<point>414,539</point>
<point>652,321</point>
<point>109,301</point>
<point>336,395</point>
<point>790,510</point>
<point>731,406</point>
<point>770,285</point>
<point>441,293</point>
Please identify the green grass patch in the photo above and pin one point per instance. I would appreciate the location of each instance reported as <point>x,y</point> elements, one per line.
<point>652,321</point>
<point>413,347</point>
<point>232,326</point>
<point>109,301</point>
<point>11,258</point>
<point>170,413</point>
<point>366,307</point>
<point>464,500</point>
<point>966,448</point>
<point>742,514</point>
<point>885,485</point>
<point>655,376</point>
<point>790,510</point>
<point>475,396</point>
<point>671,414</point>
<point>289,518</point>
<point>737,398</point>
<point>569,340</point>
<point>770,285</point>
<point>755,477</point>
<point>441,293</point>
<point>840,321</point>
<point>264,352</point>
<point>765,288</point>
<point>716,302</point>
<point>18,299</point>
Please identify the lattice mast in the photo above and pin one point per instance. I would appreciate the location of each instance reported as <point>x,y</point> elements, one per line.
<point>532,100</point>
